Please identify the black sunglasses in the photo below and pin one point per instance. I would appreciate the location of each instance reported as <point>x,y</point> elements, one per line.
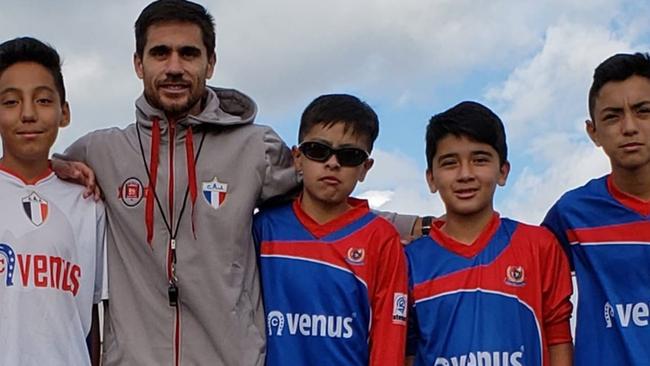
<point>346,156</point>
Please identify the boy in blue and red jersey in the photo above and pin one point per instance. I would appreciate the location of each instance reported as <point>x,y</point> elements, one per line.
<point>486,290</point>
<point>334,278</point>
<point>605,224</point>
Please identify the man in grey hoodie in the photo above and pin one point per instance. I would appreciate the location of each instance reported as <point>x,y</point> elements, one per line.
<point>180,187</point>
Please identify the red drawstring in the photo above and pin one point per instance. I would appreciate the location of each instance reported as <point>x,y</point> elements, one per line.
<point>191,173</point>
<point>153,174</point>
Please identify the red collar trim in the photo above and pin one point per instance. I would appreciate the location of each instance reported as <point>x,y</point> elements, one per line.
<point>29,182</point>
<point>633,203</point>
<point>463,249</point>
<point>359,209</point>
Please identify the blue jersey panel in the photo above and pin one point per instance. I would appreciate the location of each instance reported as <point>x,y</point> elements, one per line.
<point>303,320</point>
<point>500,338</point>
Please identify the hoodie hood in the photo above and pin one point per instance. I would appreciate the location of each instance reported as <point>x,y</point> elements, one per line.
<point>223,107</point>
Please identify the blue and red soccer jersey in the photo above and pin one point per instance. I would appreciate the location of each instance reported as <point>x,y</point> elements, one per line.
<point>500,301</point>
<point>334,294</point>
<point>607,234</point>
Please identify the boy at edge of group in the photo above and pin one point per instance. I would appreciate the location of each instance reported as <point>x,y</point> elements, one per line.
<point>485,290</point>
<point>51,238</point>
<point>334,278</point>
<point>605,224</point>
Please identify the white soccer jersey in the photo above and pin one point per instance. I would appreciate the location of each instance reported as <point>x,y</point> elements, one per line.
<point>51,259</point>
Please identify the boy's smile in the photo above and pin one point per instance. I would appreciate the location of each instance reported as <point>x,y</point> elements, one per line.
<point>328,184</point>
<point>466,173</point>
<point>31,113</point>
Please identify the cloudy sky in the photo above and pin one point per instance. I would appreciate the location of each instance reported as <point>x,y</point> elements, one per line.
<point>531,62</point>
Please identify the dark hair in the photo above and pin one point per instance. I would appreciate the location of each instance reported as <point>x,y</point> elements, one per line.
<point>28,49</point>
<point>617,68</point>
<point>161,11</point>
<point>469,119</point>
<point>330,109</point>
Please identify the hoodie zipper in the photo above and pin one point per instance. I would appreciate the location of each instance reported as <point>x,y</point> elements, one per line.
<point>171,250</point>
<point>191,191</point>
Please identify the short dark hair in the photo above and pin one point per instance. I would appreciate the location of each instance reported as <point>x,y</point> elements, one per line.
<point>330,109</point>
<point>28,49</point>
<point>617,68</point>
<point>162,11</point>
<point>469,119</point>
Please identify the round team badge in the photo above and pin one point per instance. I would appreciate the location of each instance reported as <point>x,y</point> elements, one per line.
<point>515,275</point>
<point>131,192</point>
<point>356,255</point>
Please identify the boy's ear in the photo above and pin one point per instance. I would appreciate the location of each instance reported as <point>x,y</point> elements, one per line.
<point>65,115</point>
<point>504,170</point>
<point>430,181</point>
<point>137,64</point>
<point>365,167</point>
<point>590,127</point>
<point>297,159</point>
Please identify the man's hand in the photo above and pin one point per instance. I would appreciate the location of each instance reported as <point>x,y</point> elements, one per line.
<point>79,173</point>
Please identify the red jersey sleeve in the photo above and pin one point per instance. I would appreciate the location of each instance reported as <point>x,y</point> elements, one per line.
<point>389,302</point>
<point>556,292</point>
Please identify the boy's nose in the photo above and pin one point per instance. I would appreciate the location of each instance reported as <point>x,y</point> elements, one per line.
<point>332,162</point>
<point>28,112</point>
<point>465,172</point>
<point>629,124</point>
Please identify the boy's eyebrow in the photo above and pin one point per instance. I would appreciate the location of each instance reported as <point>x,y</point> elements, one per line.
<point>640,104</point>
<point>620,109</point>
<point>611,109</point>
<point>446,156</point>
<point>13,89</point>
<point>482,152</point>
<point>329,143</point>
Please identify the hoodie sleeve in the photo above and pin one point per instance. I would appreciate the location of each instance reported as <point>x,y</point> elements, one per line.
<point>279,175</point>
<point>403,223</point>
<point>78,151</point>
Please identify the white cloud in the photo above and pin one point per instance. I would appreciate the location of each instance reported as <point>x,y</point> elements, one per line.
<point>549,91</point>
<point>534,191</point>
<point>396,183</point>
<point>544,104</point>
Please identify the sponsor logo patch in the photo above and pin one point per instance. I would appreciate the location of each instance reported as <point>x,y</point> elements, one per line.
<point>400,306</point>
<point>35,208</point>
<point>627,315</point>
<point>515,276</point>
<point>215,193</point>
<point>356,256</point>
<point>35,270</point>
<point>131,192</point>
<point>503,358</point>
<point>309,325</point>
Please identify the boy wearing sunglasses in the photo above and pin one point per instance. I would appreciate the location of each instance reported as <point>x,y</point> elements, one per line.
<point>333,273</point>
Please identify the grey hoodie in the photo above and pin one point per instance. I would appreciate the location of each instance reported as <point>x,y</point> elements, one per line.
<point>219,317</point>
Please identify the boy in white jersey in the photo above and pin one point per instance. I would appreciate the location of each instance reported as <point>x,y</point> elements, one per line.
<point>51,239</point>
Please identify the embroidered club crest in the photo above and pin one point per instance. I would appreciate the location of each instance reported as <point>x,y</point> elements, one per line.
<point>356,255</point>
<point>515,275</point>
<point>131,192</point>
<point>35,208</point>
<point>215,193</point>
